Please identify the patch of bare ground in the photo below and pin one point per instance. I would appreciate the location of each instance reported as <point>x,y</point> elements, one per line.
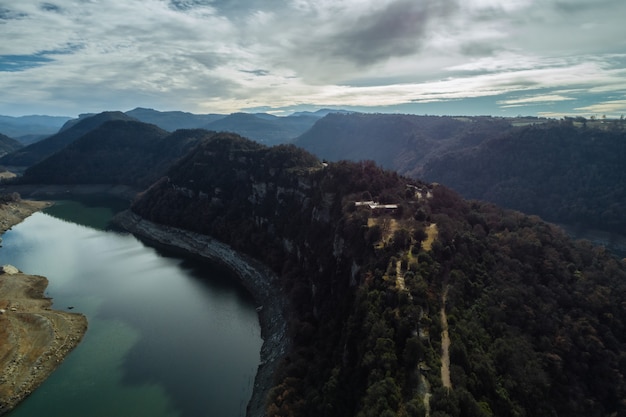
<point>34,339</point>
<point>431,235</point>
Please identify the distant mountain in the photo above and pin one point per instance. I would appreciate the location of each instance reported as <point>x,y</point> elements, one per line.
<point>400,142</point>
<point>264,128</point>
<point>423,304</point>
<point>37,152</point>
<point>117,152</point>
<point>8,145</point>
<point>565,174</point>
<point>173,120</point>
<point>28,128</point>
<point>321,112</point>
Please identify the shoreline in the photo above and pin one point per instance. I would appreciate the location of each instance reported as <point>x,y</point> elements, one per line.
<point>259,280</point>
<point>34,339</point>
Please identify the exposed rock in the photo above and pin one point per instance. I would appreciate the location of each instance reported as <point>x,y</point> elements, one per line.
<point>9,270</point>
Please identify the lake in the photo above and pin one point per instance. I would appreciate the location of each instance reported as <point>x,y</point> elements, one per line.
<point>167,336</point>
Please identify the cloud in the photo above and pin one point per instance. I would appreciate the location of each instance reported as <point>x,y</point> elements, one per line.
<point>227,55</point>
<point>398,29</point>
<point>609,108</point>
<point>534,99</point>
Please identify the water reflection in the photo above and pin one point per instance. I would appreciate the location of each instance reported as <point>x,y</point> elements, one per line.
<point>166,337</point>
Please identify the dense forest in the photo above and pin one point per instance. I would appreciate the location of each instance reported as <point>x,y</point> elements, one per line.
<point>402,142</point>
<point>406,300</point>
<point>38,151</point>
<point>117,152</point>
<point>564,173</point>
<point>567,171</point>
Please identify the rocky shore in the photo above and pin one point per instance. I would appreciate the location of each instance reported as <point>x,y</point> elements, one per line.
<point>13,212</point>
<point>34,339</point>
<point>260,281</point>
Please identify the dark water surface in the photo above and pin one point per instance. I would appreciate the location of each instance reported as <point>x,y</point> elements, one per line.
<point>166,337</point>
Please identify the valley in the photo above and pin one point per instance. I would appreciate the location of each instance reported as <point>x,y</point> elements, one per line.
<point>375,284</point>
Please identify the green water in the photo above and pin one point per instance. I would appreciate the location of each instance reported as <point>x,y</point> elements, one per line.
<point>167,337</point>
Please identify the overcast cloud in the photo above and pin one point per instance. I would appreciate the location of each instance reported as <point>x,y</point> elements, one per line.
<point>550,57</point>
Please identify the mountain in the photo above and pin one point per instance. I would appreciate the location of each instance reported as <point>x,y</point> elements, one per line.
<point>400,142</point>
<point>37,152</point>
<point>173,120</point>
<point>8,145</point>
<point>561,172</point>
<point>320,113</point>
<point>403,298</point>
<point>28,128</point>
<point>118,152</point>
<point>569,172</point>
<point>264,128</point>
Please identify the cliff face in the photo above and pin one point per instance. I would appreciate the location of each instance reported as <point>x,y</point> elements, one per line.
<point>385,279</point>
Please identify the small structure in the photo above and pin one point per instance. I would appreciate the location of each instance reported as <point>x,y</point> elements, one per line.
<point>374,205</point>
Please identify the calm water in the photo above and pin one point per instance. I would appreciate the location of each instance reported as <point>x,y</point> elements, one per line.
<point>166,337</point>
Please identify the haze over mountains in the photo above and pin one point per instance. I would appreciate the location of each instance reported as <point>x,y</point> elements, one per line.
<point>566,171</point>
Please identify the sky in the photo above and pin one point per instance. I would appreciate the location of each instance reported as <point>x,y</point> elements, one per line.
<point>457,57</point>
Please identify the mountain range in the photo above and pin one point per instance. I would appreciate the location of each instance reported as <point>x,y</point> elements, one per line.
<point>262,127</point>
<point>568,171</point>
<point>29,129</point>
<point>402,298</point>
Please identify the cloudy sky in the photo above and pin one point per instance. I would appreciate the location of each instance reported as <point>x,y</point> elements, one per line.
<point>499,57</point>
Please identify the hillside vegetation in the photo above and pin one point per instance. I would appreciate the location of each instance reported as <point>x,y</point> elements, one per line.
<point>563,173</point>
<point>401,142</point>
<point>38,151</point>
<point>117,152</point>
<point>406,300</point>
<point>567,171</point>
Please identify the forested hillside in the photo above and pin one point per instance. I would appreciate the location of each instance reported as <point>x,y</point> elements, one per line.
<point>38,151</point>
<point>563,173</point>
<point>8,145</point>
<point>568,171</point>
<point>117,152</point>
<point>401,142</point>
<point>406,300</point>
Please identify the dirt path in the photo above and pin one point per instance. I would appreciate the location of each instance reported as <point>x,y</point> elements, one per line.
<point>34,339</point>
<point>445,344</point>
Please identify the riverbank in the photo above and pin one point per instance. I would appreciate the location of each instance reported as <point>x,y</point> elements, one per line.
<point>258,280</point>
<point>34,339</point>
<point>50,191</point>
<point>13,212</point>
